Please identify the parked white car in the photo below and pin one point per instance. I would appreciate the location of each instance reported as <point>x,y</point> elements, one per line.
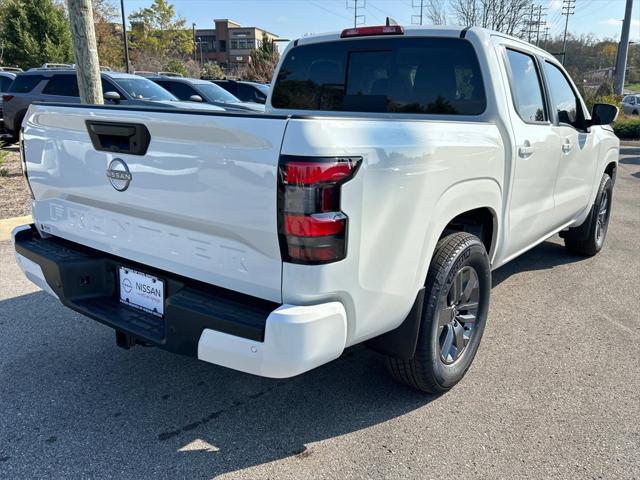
<point>393,170</point>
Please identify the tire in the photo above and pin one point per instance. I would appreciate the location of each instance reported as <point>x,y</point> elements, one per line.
<point>438,364</point>
<point>596,231</point>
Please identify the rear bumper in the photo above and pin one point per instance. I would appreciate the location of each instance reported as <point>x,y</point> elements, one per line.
<point>213,324</point>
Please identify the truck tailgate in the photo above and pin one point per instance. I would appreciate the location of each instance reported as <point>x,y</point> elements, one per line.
<point>200,202</point>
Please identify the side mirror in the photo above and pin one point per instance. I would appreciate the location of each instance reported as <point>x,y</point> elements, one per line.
<point>261,100</point>
<point>603,114</point>
<point>196,98</point>
<point>112,97</point>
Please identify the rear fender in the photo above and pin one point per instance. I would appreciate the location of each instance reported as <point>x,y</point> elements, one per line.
<point>457,199</point>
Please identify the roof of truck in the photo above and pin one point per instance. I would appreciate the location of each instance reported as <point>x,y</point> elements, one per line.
<point>419,31</point>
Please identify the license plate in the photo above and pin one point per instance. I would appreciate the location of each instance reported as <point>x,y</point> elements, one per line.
<point>142,291</point>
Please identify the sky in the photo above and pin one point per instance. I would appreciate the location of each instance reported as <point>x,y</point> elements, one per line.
<point>294,18</point>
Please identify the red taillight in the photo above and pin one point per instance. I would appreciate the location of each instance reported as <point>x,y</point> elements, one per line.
<point>315,226</point>
<point>369,31</point>
<point>306,173</point>
<point>312,227</point>
<point>6,98</point>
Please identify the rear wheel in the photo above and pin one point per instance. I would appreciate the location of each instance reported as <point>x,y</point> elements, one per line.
<point>598,219</point>
<point>453,318</point>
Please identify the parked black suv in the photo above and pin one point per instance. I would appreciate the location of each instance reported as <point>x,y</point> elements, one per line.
<point>245,91</point>
<point>194,90</point>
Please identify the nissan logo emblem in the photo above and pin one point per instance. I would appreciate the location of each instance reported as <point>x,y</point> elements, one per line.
<point>119,175</point>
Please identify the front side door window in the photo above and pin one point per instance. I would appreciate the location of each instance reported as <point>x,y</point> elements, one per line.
<point>564,101</point>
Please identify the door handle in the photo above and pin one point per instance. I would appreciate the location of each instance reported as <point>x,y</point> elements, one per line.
<point>567,146</point>
<point>526,150</point>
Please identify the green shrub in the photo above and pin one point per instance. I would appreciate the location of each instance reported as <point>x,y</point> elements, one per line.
<point>176,66</point>
<point>627,128</point>
<point>591,98</point>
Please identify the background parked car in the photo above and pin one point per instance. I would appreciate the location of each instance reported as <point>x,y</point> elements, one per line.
<point>5,80</point>
<point>61,85</point>
<point>631,104</point>
<point>246,91</point>
<point>194,90</point>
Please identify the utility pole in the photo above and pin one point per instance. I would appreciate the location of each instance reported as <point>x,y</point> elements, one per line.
<point>417,19</point>
<point>201,57</point>
<point>623,49</point>
<point>124,35</point>
<point>357,19</point>
<point>546,36</point>
<point>85,51</point>
<point>530,24</point>
<point>539,23</point>
<point>568,8</point>
<point>193,34</point>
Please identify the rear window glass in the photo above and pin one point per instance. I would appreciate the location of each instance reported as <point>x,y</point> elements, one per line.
<point>25,83</point>
<point>4,83</point>
<point>63,85</point>
<point>404,75</point>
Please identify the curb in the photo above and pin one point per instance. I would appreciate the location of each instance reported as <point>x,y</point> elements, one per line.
<point>8,224</point>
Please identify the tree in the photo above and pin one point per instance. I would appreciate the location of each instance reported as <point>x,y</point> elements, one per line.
<point>108,33</point>
<point>436,12</point>
<point>35,32</point>
<point>507,16</point>
<point>212,71</point>
<point>158,35</point>
<point>262,62</point>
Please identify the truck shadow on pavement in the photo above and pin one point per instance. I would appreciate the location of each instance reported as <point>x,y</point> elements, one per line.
<point>150,414</point>
<point>547,255</point>
<point>146,413</point>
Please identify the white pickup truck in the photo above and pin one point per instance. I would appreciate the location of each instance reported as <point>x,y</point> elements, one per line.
<point>393,170</point>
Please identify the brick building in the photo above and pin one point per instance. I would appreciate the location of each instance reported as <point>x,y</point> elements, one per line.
<point>229,43</point>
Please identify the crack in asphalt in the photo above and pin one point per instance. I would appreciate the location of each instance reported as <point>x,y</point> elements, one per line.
<point>213,415</point>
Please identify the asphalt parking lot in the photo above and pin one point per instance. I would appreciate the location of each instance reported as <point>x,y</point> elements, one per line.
<point>554,391</point>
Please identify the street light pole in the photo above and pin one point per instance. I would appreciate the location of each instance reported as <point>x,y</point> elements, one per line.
<point>201,57</point>
<point>193,34</point>
<point>124,33</point>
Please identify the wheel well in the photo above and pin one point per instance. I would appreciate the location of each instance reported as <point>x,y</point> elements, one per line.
<point>611,171</point>
<point>478,222</point>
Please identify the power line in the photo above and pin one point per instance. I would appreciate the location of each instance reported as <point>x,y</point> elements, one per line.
<point>321,7</point>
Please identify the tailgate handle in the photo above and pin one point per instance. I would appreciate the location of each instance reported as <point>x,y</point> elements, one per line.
<point>131,138</point>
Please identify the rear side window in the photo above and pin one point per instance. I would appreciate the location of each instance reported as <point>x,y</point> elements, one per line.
<point>228,86</point>
<point>4,83</point>
<point>403,75</point>
<point>62,85</point>
<point>181,90</point>
<point>165,85</point>
<point>25,83</point>
<point>107,86</point>
<point>249,93</point>
<point>526,87</point>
